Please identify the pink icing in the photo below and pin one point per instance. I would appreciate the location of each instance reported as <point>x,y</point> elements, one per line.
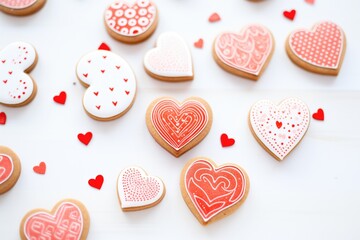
<point>17,4</point>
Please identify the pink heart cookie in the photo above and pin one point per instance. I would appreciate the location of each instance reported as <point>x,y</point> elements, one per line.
<point>246,53</point>
<point>170,60</point>
<point>131,22</point>
<point>110,82</point>
<point>320,50</point>
<point>21,7</point>
<point>69,219</point>
<point>279,129</point>
<point>10,169</point>
<point>137,190</point>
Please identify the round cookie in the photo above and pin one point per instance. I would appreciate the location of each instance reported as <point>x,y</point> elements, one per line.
<point>245,54</point>
<point>17,88</point>
<point>69,219</point>
<point>213,192</point>
<point>178,127</point>
<point>10,169</point>
<point>21,7</point>
<point>137,191</point>
<point>319,50</point>
<point>131,22</point>
<point>110,82</point>
<point>279,128</point>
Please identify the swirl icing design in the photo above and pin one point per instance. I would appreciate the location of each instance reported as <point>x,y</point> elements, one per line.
<point>247,51</point>
<point>66,223</point>
<point>16,87</point>
<point>322,46</point>
<point>280,128</point>
<point>130,19</point>
<point>6,168</point>
<point>17,4</point>
<point>213,190</point>
<point>179,124</point>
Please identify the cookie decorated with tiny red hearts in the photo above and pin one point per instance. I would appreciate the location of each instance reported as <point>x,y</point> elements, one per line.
<point>176,126</point>
<point>69,219</point>
<point>21,7</point>
<point>110,83</point>
<point>213,192</point>
<point>10,169</point>
<point>246,53</point>
<point>319,50</point>
<point>279,128</point>
<point>137,190</point>
<point>131,22</point>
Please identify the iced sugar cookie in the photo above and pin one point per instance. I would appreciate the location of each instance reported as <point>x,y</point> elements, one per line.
<point>110,82</point>
<point>131,22</point>
<point>320,50</point>
<point>136,190</point>
<point>178,127</point>
<point>21,7</point>
<point>10,169</point>
<point>279,128</point>
<point>170,60</point>
<point>245,54</point>
<point>213,192</point>
<point>69,219</point>
<point>17,88</point>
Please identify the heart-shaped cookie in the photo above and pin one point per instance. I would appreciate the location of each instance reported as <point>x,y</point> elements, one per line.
<point>246,53</point>
<point>10,169</point>
<point>170,60</point>
<point>137,191</point>
<point>279,128</point>
<point>131,22</point>
<point>213,192</point>
<point>178,127</point>
<point>320,50</point>
<point>21,7</point>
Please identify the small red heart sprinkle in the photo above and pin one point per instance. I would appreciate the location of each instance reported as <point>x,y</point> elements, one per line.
<point>3,61</point>
<point>98,107</point>
<point>278,124</point>
<point>96,182</point>
<point>85,74</point>
<point>118,67</point>
<point>2,118</point>
<point>199,43</point>
<point>319,115</point>
<point>85,138</point>
<point>125,79</point>
<point>226,141</point>
<point>290,14</point>
<point>111,88</point>
<point>102,71</point>
<point>61,98</point>
<point>40,169</point>
<point>96,93</point>
<point>5,81</point>
<point>310,1</point>
<point>127,92</point>
<point>104,46</point>
<point>214,17</point>
<point>10,72</point>
<point>115,103</point>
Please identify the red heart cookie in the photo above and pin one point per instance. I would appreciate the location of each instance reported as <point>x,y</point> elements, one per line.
<point>246,53</point>
<point>10,169</point>
<point>320,50</point>
<point>211,191</point>
<point>69,219</point>
<point>61,98</point>
<point>179,127</point>
<point>137,190</point>
<point>279,129</point>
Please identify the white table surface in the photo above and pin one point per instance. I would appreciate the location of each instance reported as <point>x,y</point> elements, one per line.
<point>313,194</point>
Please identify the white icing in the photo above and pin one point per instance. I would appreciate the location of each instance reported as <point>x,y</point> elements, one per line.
<point>16,86</point>
<point>107,89</point>
<point>170,58</point>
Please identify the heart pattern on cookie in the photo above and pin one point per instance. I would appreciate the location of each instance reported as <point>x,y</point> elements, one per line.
<point>246,53</point>
<point>170,60</point>
<point>137,190</point>
<point>322,47</point>
<point>279,128</point>
<point>111,84</point>
<point>16,87</point>
<point>210,190</point>
<point>6,168</point>
<point>17,4</point>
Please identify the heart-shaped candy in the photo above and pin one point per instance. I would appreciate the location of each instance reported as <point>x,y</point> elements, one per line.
<point>85,138</point>
<point>2,118</point>
<point>319,115</point>
<point>61,98</point>
<point>96,182</point>
<point>226,141</point>
<point>290,14</point>
<point>40,169</point>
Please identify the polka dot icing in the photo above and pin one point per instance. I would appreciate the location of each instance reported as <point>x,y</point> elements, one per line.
<point>17,4</point>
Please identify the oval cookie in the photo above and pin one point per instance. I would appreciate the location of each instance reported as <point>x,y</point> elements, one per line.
<point>21,7</point>
<point>10,169</point>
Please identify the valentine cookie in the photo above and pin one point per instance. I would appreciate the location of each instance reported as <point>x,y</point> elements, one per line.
<point>131,22</point>
<point>137,190</point>
<point>178,127</point>
<point>245,54</point>
<point>110,82</point>
<point>17,88</point>
<point>213,192</point>
<point>69,219</point>
<point>319,50</point>
<point>279,128</point>
<point>21,7</point>
<point>10,169</point>
<point>170,60</point>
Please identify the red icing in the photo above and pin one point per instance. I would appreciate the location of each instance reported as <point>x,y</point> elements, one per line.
<point>85,138</point>
<point>2,118</point>
<point>214,17</point>
<point>103,46</point>
<point>61,98</point>
<point>6,168</point>
<point>40,169</point>
<point>290,14</point>
<point>319,115</point>
<point>226,141</point>
<point>96,182</point>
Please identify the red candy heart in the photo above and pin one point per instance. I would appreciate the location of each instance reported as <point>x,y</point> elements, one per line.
<point>310,1</point>
<point>40,169</point>
<point>226,141</point>
<point>61,98</point>
<point>96,182</point>
<point>319,115</point>
<point>214,17</point>
<point>290,14</point>
<point>199,43</point>
<point>2,118</point>
<point>85,138</point>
